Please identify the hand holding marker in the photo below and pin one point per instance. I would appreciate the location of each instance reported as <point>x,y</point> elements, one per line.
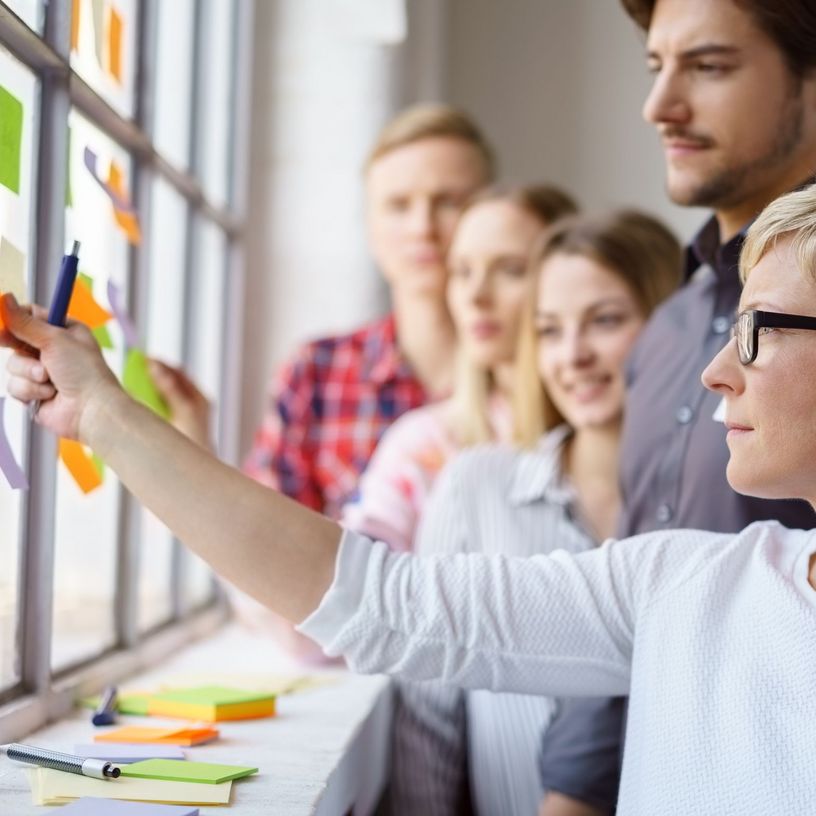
<point>62,296</point>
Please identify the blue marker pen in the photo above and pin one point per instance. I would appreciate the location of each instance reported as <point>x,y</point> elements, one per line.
<point>105,713</point>
<point>65,287</point>
<point>62,296</point>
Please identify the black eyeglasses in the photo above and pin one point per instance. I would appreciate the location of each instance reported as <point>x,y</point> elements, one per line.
<point>747,325</point>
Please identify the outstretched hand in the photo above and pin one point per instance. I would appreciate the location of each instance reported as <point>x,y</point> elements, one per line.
<point>63,369</point>
<point>189,409</point>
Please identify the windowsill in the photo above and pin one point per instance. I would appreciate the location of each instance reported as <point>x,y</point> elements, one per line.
<point>325,753</point>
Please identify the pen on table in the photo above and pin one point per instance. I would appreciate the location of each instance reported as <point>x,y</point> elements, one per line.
<point>105,713</point>
<point>62,296</point>
<point>96,768</point>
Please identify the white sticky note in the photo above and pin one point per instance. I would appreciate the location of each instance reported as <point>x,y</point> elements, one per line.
<point>12,270</point>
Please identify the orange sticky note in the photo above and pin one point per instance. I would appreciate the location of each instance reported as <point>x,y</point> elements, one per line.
<point>85,309</point>
<point>115,28</point>
<point>162,736</point>
<point>125,218</point>
<point>2,309</point>
<point>75,25</point>
<point>80,465</point>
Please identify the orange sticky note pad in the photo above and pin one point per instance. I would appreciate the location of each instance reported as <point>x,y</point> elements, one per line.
<point>115,28</point>
<point>160,736</point>
<point>85,309</point>
<point>2,310</point>
<point>80,465</point>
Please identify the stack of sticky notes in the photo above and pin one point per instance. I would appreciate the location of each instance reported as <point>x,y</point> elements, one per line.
<point>49,787</point>
<point>209,773</point>
<point>122,753</point>
<point>208,703</point>
<point>213,704</point>
<point>161,736</point>
<point>107,807</point>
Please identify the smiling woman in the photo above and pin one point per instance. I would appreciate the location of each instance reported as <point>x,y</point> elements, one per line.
<point>710,634</point>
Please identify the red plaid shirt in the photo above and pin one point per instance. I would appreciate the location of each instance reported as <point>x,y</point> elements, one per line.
<point>328,408</point>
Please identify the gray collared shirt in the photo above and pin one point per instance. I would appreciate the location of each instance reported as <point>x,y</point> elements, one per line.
<point>673,453</point>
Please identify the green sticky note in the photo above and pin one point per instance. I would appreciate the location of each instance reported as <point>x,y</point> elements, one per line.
<point>214,695</point>
<point>103,337</point>
<point>125,703</point>
<point>137,381</point>
<point>174,771</point>
<point>11,140</point>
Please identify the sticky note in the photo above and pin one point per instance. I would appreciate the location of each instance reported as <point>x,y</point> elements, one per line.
<point>125,703</point>
<point>115,31</point>
<point>80,465</point>
<point>122,210</point>
<point>213,703</point>
<point>11,140</point>
<point>209,773</point>
<point>8,464</point>
<point>124,753</point>
<point>136,380</point>
<point>12,270</point>
<point>75,25</point>
<point>122,317</point>
<point>49,787</point>
<point>106,807</point>
<point>85,309</point>
<point>163,736</point>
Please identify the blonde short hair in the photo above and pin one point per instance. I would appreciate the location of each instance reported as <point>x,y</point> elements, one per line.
<point>792,214</point>
<point>431,121</point>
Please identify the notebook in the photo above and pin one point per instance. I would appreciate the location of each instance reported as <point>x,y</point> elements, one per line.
<point>107,807</point>
<point>122,752</point>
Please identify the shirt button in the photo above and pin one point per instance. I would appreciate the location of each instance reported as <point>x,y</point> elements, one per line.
<point>664,513</point>
<point>720,325</point>
<point>684,414</point>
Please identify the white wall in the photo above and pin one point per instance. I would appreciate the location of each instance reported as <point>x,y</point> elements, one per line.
<point>557,84</point>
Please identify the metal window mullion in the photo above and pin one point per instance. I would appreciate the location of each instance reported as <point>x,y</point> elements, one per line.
<point>129,556</point>
<point>40,528</point>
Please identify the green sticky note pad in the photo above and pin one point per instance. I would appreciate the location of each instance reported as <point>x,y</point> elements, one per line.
<point>137,381</point>
<point>175,771</point>
<point>11,140</point>
<point>214,695</point>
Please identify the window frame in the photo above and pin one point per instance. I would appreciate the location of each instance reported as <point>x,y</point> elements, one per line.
<point>40,694</point>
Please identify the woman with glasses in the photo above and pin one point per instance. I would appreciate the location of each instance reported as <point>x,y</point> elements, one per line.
<point>711,635</point>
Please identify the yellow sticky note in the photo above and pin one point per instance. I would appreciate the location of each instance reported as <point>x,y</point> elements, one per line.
<point>49,787</point>
<point>85,309</point>
<point>115,35</point>
<point>80,465</point>
<point>12,270</point>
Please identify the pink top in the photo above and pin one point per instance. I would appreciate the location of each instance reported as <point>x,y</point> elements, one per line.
<point>398,480</point>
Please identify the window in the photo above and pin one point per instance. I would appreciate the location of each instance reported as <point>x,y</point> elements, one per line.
<point>120,121</point>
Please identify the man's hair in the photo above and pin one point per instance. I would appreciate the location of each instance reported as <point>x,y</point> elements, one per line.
<point>428,121</point>
<point>793,215</point>
<point>791,24</point>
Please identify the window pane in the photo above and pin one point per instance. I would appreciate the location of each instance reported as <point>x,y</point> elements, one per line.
<point>103,49</point>
<point>165,338</point>
<point>174,75</point>
<point>207,296</point>
<point>217,68</point>
<point>19,99</point>
<point>29,11</point>
<point>86,535</point>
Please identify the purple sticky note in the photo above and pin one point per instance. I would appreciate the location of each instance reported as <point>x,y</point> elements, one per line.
<point>122,317</point>
<point>122,753</point>
<point>92,806</point>
<point>89,157</point>
<point>8,464</point>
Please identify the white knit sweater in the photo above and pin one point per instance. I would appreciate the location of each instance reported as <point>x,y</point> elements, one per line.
<point>713,636</point>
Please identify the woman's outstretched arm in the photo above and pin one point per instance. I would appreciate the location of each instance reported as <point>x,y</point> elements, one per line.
<point>276,550</point>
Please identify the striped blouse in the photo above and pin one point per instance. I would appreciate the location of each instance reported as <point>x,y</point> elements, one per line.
<point>489,499</point>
